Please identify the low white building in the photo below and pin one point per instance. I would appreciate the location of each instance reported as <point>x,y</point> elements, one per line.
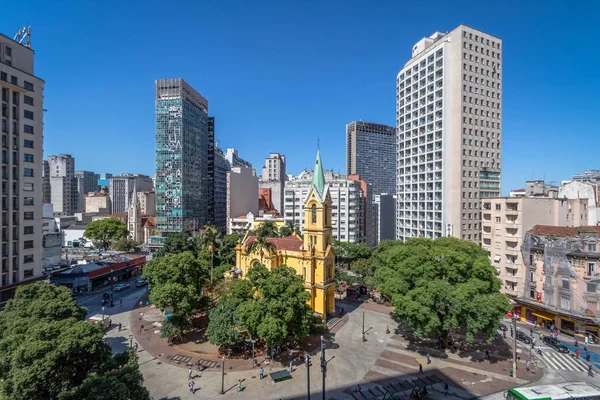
<point>573,190</point>
<point>72,237</point>
<point>250,222</point>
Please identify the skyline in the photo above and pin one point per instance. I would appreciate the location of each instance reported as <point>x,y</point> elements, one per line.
<point>262,85</point>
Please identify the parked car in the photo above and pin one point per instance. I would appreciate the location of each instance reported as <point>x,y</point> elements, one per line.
<point>523,337</point>
<point>141,283</point>
<point>121,286</point>
<point>556,344</point>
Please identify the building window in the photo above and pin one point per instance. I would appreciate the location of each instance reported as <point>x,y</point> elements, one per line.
<point>313,211</point>
<point>592,247</point>
<point>28,230</point>
<point>28,129</point>
<point>592,287</point>
<point>498,220</point>
<point>565,284</point>
<point>565,303</point>
<point>28,215</point>
<point>531,276</point>
<point>28,100</point>
<point>532,293</point>
<point>8,51</point>
<point>28,244</point>
<point>28,273</point>
<point>28,144</point>
<point>28,187</point>
<point>498,207</point>
<point>28,86</point>
<point>28,157</point>
<point>28,172</point>
<point>28,114</point>
<point>28,258</point>
<point>27,201</point>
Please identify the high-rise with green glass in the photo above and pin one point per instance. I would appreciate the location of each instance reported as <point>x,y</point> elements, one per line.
<point>182,151</point>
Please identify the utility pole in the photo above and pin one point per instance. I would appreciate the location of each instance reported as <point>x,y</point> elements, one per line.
<point>323,365</point>
<point>363,326</point>
<point>307,362</point>
<point>515,345</point>
<point>223,375</point>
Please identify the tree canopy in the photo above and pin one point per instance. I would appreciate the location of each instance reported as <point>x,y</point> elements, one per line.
<point>176,242</point>
<point>177,282</point>
<point>351,251</point>
<point>125,244</point>
<point>441,285</point>
<point>104,231</point>
<point>49,350</point>
<point>270,306</point>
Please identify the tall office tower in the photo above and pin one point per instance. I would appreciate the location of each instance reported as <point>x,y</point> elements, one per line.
<point>22,142</point>
<point>45,182</point>
<point>220,189</point>
<point>182,181</point>
<point>235,160</point>
<point>449,129</point>
<point>273,177</point>
<point>103,180</point>
<point>371,153</point>
<point>211,169</point>
<point>63,185</point>
<point>121,188</point>
<point>87,182</point>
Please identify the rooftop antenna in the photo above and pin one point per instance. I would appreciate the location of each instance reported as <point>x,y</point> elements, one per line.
<point>22,34</point>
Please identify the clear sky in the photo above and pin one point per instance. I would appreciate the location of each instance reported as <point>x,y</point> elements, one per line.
<point>278,74</point>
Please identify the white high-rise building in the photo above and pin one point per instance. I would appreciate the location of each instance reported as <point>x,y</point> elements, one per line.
<point>449,134</point>
<point>22,101</point>
<point>63,184</point>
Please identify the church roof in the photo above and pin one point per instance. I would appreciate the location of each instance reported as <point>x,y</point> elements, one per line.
<point>290,243</point>
<point>318,179</point>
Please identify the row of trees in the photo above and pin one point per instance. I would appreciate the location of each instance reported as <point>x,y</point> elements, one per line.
<point>270,306</point>
<point>49,351</point>
<point>437,286</point>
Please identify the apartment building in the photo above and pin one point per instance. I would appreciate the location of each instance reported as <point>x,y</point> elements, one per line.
<point>371,153</point>
<point>242,189</point>
<point>235,160</point>
<point>147,202</point>
<point>505,221</point>
<point>221,168</point>
<point>561,279</point>
<point>63,184</point>
<point>449,134</point>
<point>386,212</point>
<point>347,204</point>
<point>97,203</point>
<point>120,190</point>
<point>22,142</point>
<point>273,177</point>
<point>87,182</point>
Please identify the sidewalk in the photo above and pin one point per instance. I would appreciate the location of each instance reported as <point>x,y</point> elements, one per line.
<point>546,332</point>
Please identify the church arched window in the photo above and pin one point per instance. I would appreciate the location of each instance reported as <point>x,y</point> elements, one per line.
<point>313,211</point>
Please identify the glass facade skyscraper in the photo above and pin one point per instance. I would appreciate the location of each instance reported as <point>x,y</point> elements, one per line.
<point>182,156</point>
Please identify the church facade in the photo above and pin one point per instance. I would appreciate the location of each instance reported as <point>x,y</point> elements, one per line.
<point>312,256</point>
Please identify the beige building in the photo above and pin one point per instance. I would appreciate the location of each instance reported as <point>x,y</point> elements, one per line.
<point>449,134</point>
<point>242,193</point>
<point>97,202</point>
<point>22,101</point>
<point>505,220</point>
<point>147,200</point>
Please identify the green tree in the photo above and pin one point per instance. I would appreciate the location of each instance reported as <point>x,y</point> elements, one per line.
<point>209,239</point>
<point>48,349</point>
<point>226,253</point>
<point>223,325</point>
<point>289,229</point>
<point>177,282</point>
<point>126,244</point>
<point>261,244</point>
<point>351,251</point>
<point>267,229</point>
<point>441,285</point>
<point>104,231</point>
<point>176,242</point>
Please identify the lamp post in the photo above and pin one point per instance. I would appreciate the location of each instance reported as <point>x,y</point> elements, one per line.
<point>130,341</point>
<point>323,365</point>
<point>103,314</point>
<point>363,325</point>
<point>111,288</point>
<point>515,345</point>
<point>307,362</point>
<point>223,376</point>
<point>253,341</point>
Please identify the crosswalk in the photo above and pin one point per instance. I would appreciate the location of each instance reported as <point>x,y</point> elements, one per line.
<point>561,361</point>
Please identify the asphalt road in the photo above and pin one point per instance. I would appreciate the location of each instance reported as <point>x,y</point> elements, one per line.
<point>93,302</point>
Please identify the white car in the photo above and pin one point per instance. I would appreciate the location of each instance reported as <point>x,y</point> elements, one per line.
<point>121,286</point>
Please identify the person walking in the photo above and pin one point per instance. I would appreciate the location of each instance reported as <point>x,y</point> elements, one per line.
<point>428,358</point>
<point>135,346</point>
<point>121,302</point>
<point>291,367</point>
<point>533,343</point>
<point>120,326</point>
<point>191,386</point>
<point>240,385</point>
<point>577,353</point>
<point>511,332</point>
<point>527,365</point>
<point>446,388</point>
<point>190,373</point>
<point>590,370</point>
<point>420,368</point>
<point>261,372</point>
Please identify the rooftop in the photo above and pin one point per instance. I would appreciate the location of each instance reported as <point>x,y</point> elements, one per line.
<point>563,231</point>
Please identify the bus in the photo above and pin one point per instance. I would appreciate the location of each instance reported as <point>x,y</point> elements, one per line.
<point>561,391</point>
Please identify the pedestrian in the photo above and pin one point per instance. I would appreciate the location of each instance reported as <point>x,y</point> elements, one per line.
<point>120,327</point>
<point>541,336</point>
<point>428,358</point>
<point>420,368</point>
<point>358,388</point>
<point>342,310</point>
<point>135,347</point>
<point>229,353</point>
<point>577,353</point>
<point>504,334</point>
<point>141,304</point>
<point>190,386</point>
<point>190,373</point>
<point>239,385</point>
<point>121,301</point>
<point>531,332</point>
<point>533,343</point>
<point>291,367</point>
<point>527,365</point>
<point>590,370</point>
<point>261,372</point>
<point>446,388</point>
<point>487,354</point>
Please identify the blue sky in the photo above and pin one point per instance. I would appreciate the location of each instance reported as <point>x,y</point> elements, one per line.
<point>279,74</point>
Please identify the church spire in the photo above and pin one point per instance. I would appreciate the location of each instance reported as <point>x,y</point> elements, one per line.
<point>318,180</point>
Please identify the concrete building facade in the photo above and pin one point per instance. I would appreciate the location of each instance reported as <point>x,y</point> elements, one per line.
<point>583,189</point>
<point>505,221</point>
<point>97,203</point>
<point>347,204</point>
<point>371,153</point>
<point>449,134</point>
<point>51,239</point>
<point>121,188</point>
<point>235,160</point>
<point>273,177</point>
<point>386,216</point>
<point>147,202</point>
<point>87,182</point>
<point>222,167</point>
<point>46,193</point>
<point>22,102</point>
<point>242,187</point>
<point>63,185</point>
<point>182,144</point>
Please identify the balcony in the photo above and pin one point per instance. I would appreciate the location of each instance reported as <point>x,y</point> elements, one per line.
<point>513,251</point>
<point>511,291</point>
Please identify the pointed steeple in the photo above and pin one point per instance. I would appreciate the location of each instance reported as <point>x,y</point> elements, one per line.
<point>318,180</point>
<point>133,202</point>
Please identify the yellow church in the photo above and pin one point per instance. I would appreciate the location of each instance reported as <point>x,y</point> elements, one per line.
<point>312,257</point>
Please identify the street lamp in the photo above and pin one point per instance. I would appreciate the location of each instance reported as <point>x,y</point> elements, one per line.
<point>223,376</point>
<point>323,364</point>
<point>130,341</point>
<point>307,362</point>
<point>102,314</point>
<point>111,288</point>
<point>515,345</point>
<point>253,341</point>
